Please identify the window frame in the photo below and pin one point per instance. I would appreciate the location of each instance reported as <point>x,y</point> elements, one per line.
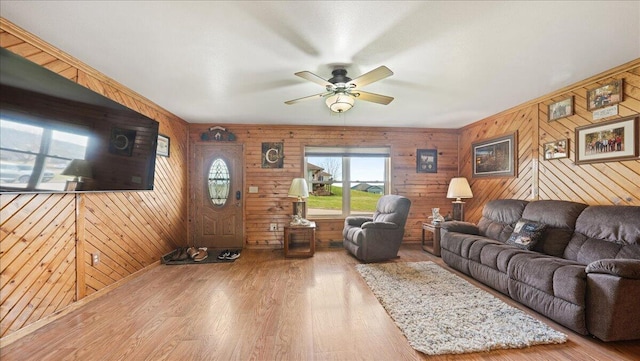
<point>346,153</point>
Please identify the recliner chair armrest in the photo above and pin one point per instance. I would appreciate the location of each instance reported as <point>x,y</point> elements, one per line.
<point>379,225</point>
<point>626,268</point>
<point>460,227</point>
<point>357,221</point>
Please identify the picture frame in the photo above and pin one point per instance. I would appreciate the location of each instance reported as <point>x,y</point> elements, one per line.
<point>556,150</point>
<point>560,109</point>
<point>427,161</point>
<point>495,157</point>
<point>605,95</point>
<point>272,155</point>
<point>164,146</point>
<point>591,146</point>
<point>122,141</point>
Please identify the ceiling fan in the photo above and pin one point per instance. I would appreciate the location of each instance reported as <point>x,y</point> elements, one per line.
<point>341,91</point>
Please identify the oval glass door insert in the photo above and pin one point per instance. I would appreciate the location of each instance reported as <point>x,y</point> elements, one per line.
<point>219,182</point>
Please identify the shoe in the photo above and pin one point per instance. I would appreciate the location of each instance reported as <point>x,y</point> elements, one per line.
<point>202,255</point>
<point>224,254</point>
<point>176,254</point>
<point>192,252</point>
<point>232,255</point>
<point>183,255</point>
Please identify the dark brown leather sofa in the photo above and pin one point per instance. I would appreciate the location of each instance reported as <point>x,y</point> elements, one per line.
<point>584,272</point>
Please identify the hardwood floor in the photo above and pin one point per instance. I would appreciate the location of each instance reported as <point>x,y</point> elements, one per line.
<point>261,307</point>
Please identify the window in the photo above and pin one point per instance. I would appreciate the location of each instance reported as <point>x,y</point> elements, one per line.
<point>346,180</point>
<point>36,155</point>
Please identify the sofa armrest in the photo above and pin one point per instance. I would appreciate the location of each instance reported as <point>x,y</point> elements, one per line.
<point>357,221</point>
<point>627,268</point>
<point>460,227</point>
<point>379,225</point>
<point>613,291</point>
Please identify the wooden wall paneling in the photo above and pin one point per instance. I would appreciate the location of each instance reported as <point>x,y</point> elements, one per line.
<point>524,121</point>
<point>596,183</point>
<point>80,248</point>
<point>38,245</point>
<point>143,225</point>
<point>271,204</point>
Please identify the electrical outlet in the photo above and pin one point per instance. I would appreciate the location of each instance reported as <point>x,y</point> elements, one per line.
<point>273,227</point>
<point>95,259</point>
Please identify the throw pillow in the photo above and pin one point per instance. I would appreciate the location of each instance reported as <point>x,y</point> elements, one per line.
<point>526,234</point>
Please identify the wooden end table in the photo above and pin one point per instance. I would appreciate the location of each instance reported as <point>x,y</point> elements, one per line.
<point>435,230</point>
<point>307,232</point>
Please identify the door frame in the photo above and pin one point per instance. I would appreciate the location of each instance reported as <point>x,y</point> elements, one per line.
<point>191,232</point>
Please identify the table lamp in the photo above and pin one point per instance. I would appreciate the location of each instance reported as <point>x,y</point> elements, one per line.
<point>458,189</point>
<point>79,169</point>
<point>299,190</point>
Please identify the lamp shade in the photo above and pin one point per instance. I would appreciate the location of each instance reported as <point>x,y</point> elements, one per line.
<point>299,189</point>
<point>459,188</point>
<point>340,102</point>
<point>80,168</point>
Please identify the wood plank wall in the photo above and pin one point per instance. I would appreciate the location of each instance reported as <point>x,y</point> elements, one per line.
<point>271,204</point>
<point>47,239</point>
<point>597,183</point>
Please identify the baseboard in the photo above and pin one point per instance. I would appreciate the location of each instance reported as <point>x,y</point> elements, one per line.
<point>15,336</point>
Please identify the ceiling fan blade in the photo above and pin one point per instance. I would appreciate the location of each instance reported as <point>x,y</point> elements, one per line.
<point>314,78</point>
<point>376,74</point>
<point>319,95</point>
<point>372,97</point>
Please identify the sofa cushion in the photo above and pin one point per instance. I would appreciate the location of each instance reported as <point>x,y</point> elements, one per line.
<point>456,249</point>
<point>552,286</point>
<point>354,234</point>
<point>392,208</point>
<point>560,218</point>
<point>555,276</point>
<point>488,263</point>
<point>526,234</point>
<point>499,216</point>
<point>603,232</point>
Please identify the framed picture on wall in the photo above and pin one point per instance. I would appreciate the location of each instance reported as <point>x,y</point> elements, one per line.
<point>614,140</point>
<point>122,141</point>
<point>556,149</point>
<point>605,95</point>
<point>561,109</point>
<point>272,155</point>
<point>495,157</point>
<point>163,145</point>
<point>427,161</point>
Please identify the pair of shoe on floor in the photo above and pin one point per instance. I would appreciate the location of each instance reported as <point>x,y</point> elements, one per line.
<point>229,254</point>
<point>197,254</point>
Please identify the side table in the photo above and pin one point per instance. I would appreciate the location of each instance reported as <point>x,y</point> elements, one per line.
<point>307,232</point>
<point>435,230</point>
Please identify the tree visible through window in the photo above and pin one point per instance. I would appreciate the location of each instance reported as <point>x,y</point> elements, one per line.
<point>346,180</point>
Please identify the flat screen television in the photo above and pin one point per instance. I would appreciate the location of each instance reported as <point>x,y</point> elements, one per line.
<point>58,136</point>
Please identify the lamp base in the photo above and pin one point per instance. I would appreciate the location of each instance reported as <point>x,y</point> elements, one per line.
<point>458,211</point>
<point>300,209</point>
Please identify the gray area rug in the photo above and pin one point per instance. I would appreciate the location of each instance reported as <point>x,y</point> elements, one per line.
<point>440,313</point>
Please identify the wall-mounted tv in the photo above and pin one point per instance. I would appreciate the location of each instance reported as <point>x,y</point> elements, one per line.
<point>58,136</point>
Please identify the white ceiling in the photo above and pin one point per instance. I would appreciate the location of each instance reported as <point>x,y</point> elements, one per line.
<point>234,62</point>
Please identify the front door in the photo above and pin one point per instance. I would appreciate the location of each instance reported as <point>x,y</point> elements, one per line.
<point>216,188</point>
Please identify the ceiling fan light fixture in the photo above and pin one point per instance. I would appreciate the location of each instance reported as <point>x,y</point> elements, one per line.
<point>340,102</point>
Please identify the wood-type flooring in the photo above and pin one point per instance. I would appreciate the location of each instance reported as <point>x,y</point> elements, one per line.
<point>261,307</point>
